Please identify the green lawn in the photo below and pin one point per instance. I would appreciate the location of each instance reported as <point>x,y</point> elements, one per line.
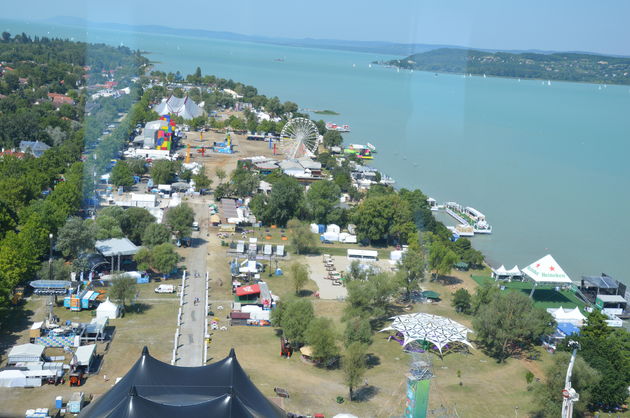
<point>544,296</point>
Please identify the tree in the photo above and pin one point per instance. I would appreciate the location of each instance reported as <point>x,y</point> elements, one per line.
<point>137,166</point>
<point>122,176</point>
<point>107,227</point>
<point>411,267</point>
<point>320,336</point>
<point>607,351</point>
<point>548,395</point>
<point>60,270</point>
<point>510,323</point>
<point>164,258</point>
<point>220,173</point>
<point>285,201</point>
<point>332,139</point>
<point>294,316</point>
<point>384,218</point>
<point>483,296</point>
<point>354,366</point>
<point>441,259</point>
<point>134,221</point>
<point>123,289</point>
<point>162,172</point>
<point>302,239</point>
<point>75,236</point>
<point>321,198</point>
<point>143,258</point>
<point>369,298</point>
<point>222,190</point>
<point>299,275</point>
<point>244,182</point>
<point>358,330</point>
<point>180,219</point>
<point>201,179</point>
<point>155,234</point>
<point>462,301</point>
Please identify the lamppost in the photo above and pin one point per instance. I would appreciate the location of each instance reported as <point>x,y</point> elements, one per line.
<point>50,257</point>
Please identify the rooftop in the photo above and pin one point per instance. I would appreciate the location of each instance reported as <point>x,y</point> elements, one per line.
<point>116,246</point>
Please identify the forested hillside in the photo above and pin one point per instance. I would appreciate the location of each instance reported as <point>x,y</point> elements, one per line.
<point>558,66</point>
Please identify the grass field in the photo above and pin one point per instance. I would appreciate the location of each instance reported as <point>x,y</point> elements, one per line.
<point>544,296</point>
<point>153,325</point>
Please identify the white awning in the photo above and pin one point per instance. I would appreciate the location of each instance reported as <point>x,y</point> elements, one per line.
<point>546,270</point>
<point>84,354</point>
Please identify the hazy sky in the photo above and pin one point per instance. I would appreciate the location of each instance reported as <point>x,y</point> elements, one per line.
<point>583,25</point>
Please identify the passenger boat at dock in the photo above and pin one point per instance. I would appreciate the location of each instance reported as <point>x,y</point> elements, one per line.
<point>469,218</point>
<point>339,128</point>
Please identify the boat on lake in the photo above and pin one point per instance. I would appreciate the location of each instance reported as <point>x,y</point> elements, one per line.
<point>361,151</point>
<point>339,128</point>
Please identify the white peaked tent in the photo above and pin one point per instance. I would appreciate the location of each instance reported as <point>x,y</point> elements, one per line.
<point>107,310</point>
<point>546,270</point>
<point>514,272</point>
<point>501,271</point>
<point>432,328</point>
<point>572,316</point>
<point>184,107</point>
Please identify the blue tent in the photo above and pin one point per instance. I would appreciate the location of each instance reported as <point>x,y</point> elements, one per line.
<point>568,329</point>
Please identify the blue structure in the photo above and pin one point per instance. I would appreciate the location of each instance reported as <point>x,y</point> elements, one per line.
<point>567,329</point>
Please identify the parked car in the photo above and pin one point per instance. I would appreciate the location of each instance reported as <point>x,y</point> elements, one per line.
<point>165,288</point>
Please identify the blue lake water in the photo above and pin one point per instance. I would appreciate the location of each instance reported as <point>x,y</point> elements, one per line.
<point>547,164</point>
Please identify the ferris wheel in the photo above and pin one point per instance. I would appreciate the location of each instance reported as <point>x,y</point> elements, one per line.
<point>299,137</point>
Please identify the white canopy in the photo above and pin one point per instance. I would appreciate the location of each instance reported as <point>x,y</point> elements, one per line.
<point>107,310</point>
<point>432,328</point>
<point>501,271</point>
<point>514,271</point>
<point>26,352</point>
<point>573,316</point>
<point>84,354</point>
<point>546,270</point>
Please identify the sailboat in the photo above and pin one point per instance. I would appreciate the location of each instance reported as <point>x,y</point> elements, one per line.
<point>548,82</point>
<point>369,65</point>
<point>484,76</point>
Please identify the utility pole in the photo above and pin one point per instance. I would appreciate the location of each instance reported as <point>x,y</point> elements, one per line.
<point>52,298</point>
<point>569,395</point>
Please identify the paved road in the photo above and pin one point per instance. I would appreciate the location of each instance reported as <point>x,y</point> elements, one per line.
<point>192,332</point>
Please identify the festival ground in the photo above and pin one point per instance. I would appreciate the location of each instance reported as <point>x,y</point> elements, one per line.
<point>312,390</point>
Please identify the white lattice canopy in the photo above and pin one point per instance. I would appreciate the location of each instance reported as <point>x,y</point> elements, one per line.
<point>432,328</point>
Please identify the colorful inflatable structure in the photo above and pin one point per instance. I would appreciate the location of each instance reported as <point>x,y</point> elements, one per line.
<point>224,147</point>
<point>164,135</point>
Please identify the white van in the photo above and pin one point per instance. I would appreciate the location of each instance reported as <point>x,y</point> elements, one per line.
<point>195,226</point>
<point>165,288</point>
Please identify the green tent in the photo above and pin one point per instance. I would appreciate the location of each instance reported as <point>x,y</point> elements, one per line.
<point>461,266</point>
<point>430,294</point>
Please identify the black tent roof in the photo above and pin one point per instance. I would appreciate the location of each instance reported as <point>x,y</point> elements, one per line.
<point>156,389</point>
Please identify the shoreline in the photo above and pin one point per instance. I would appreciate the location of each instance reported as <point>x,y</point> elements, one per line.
<point>408,70</point>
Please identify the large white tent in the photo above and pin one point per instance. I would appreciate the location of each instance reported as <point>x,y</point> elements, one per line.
<point>184,107</point>
<point>546,270</point>
<point>25,352</point>
<point>572,316</point>
<point>432,328</point>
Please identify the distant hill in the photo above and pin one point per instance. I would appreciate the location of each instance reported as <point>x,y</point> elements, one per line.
<point>374,47</point>
<point>565,66</point>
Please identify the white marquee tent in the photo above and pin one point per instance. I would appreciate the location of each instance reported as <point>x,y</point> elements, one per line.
<point>546,270</point>
<point>184,107</point>
<point>503,272</point>
<point>432,328</point>
<point>107,310</point>
<point>572,316</point>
